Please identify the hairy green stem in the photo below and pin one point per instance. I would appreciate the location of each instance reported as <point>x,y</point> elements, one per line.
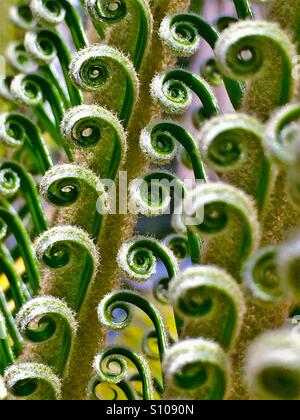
<point>118,227</point>
<point>287,14</point>
<point>263,95</point>
<point>258,319</point>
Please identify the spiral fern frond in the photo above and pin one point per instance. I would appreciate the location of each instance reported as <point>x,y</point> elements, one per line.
<point>116,355</point>
<point>182,33</point>
<point>281,132</point>
<point>178,243</point>
<point>32,91</point>
<point>212,303</point>
<point>172,90</point>
<point>72,186</point>
<point>159,143</point>
<point>31,381</point>
<point>44,45</point>
<point>152,194</point>
<point>91,128</point>
<point>21,15</point>
<point>50,327</point>
<point>19,58</point>
<point>196,369</point>
<point>19,132</point>
<point>27,187</point>
<point>234,141</point>
<point>69,260</point>
<point>137,258</point>
<point>83,123</point>
<point>249,50</point>
<point>261,276</point>
<point>135,13</point>
<point>92,69</point>
<point>272,369</point>
<point>123,300</point>
<point>222,213</point>
<point>54,12</point>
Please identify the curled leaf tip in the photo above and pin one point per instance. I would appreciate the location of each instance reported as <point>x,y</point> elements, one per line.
<point>31,381</point>
<point>50,326</point>
<point>21,15</point>
<point>172,90</point>
<point>261,277</point>
<point>281,131</point>
<point>89,128</point>
<point>223,139</point>
<point>63,184</point>
<point>137,258</point>
<point>159,147</point>
<point>9,183</point>
<point>93,68</point>
<point>116,357</point>
<point>39,307</point>
<point>112,304</point>
<point>239,52</point>
<point>288,262</point>
<point>211,298</point>
<point>272,366</point>
<point>47,13</point>
<point>215,200</point>
<point>68,254</point>
<point>196,369</point>
<point>250,50</point>
<point>180,33</point>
